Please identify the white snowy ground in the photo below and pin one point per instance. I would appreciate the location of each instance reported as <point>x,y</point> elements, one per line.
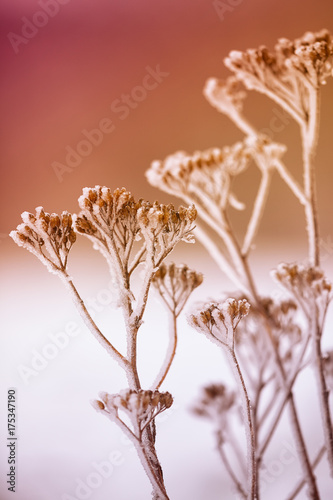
<point>64,447</point>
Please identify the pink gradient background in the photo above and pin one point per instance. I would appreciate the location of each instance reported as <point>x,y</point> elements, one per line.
<point>61,82</point>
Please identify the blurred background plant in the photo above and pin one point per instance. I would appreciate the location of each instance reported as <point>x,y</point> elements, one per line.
<point>278,339</point>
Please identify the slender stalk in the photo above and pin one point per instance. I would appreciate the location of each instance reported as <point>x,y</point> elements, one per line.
<point>297,431</point>
<point>287,390</point>
<point>152,471</point>
<point>219,258</point>
<point>291,182</point>
<point>324,400</point>
<point>250,437</point>
<point>229,469</point>
<point>173,338</point>
<point>302,482</point>
<point>309,132</point>
<point>302,452</point>
<point>257,212</point>
<point>112,351</point>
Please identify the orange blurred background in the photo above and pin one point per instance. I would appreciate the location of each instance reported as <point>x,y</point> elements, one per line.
<point>67,78</point>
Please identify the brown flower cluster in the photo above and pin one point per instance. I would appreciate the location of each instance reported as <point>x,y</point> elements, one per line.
<point>215,401</point>
<point>226,96</point>
<point>48,236</point>
<point>219,321</point>
<point>115,221</point>
<point>175,284</point>
<point>307,284</point>
<point>140,406</point>
<point>289,70</point>
<point>204,176</point>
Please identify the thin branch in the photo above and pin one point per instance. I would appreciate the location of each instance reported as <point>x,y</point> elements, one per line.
<point>257,212</point>
<point>170,353</point>
<point>229,469</point>
<point>90,323</point>
<point>302,482</point>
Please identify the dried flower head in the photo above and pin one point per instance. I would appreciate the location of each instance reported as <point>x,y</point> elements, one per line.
<point>140,406</point>
<point>289,71</point>
<point>204,176</point>
<point>226,96</point>
<point>48,236</point>
<point>308,285</point>
<point>214,403</point>
<point>219,321</point>
<point>115,221</point>
<point>286,331</point>
<point>175,284</point>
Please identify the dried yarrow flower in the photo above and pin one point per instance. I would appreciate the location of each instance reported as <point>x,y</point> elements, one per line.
<point>214,403</point>
<point>48,236</point>
<point>115,221</point>
<point>219,321</point>
<point>205,175</point>
<point>308,285</point>
<point>140,406</point>
<point>226,96</point>
<point>289,72</point>
<point>175,284</point>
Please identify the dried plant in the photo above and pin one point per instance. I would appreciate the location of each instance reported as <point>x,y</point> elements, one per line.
<point>277,339</point>
<point>128,233</point>
<point>219,323</point>
<point>268,342</point>
<point>174,285</point>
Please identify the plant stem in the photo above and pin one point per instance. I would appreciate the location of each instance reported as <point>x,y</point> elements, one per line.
<point>297,431</point>
<point>250,438</point>
<point>324,399</point>
<point>112,351</point>
<point>219,258</point>
<point>151,466</point>
<point>228,467</point>
<point>302,482</point>
<point>257,212</point>
<point>170,353</point>
<point>309,132</point>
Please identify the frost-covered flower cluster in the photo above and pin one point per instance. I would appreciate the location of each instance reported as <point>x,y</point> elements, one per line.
<point>140,406</point>
<point>308,285</point>
<point>48,236</point>
<point>215,401</point>
<point>219,321</point>
<point>115,222</point>
<point>287,73</point>
<point>175,284</point>
<point>203,176</point>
